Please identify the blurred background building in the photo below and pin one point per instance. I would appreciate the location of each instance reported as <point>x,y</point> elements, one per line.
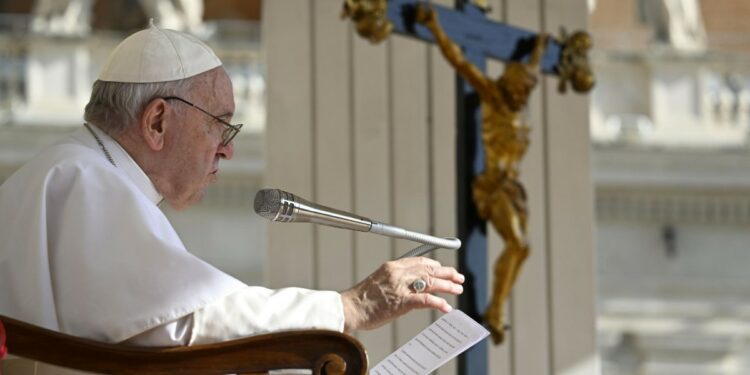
<point>669,126</point>
<point>670,118</point>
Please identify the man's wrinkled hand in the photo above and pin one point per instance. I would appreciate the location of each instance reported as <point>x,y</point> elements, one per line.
<point>388,293</point>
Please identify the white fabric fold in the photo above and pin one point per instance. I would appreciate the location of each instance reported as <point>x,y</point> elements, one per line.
<point>85,251</point>
<point>255,310</point>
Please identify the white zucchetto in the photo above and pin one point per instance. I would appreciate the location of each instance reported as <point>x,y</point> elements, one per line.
<point>158,55</point>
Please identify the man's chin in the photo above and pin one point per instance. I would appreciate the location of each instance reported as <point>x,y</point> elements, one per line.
<point>183,204</point>
<point>196,197</point>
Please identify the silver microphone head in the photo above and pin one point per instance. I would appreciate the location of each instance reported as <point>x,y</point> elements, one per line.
<point>267,203</point>
<point>278,205</point>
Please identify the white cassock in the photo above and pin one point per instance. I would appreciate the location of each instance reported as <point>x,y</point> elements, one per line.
<point>86,251</point>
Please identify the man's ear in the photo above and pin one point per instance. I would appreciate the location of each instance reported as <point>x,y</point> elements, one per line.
<point>153,125</point>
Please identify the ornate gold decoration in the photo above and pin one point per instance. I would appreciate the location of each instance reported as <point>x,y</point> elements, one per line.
<point>574,62</point>
<point>498,194</point>
<point>370,18</point>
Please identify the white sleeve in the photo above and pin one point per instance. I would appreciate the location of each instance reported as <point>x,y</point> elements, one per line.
<point>254,310</point>
<point>249,311</point>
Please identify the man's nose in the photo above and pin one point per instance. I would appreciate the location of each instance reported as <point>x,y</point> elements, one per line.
<point>226,152</point>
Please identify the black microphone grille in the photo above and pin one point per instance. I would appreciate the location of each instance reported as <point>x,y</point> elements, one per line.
<point>267,203</point>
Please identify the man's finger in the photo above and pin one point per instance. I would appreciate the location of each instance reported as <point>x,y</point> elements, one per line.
<point>427,301</point>
<point>435,285</point>
<point>448,273</point>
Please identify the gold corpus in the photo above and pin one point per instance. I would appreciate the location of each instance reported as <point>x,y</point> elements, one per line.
<point>497,192</point>
<point>370,18</point>
<point>574,64</point>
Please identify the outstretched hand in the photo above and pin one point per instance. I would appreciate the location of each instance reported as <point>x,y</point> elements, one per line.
<point>424,14</point>
<point>388,293</point>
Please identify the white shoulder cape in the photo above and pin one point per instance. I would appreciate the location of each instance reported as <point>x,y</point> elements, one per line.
<point>85,250</point>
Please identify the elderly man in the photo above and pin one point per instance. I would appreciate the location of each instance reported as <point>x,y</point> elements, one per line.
<point>87,251</point>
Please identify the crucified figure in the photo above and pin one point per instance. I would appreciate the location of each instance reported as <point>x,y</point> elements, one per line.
<point>497,192</point>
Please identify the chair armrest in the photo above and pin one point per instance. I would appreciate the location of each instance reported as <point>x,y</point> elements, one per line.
<point>325,352</point>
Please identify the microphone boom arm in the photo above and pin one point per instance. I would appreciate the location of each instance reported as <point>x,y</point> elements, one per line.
<point>281,206</point>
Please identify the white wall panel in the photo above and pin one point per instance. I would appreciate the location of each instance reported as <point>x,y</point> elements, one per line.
<point>441,87</point>
<point>570,218</point>
<point>333,174</point>
<point>372,170</point>
<point>410,159</point>
<point>289,134</point>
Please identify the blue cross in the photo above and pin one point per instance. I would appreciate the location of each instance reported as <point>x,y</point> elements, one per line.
<point>478,36</point>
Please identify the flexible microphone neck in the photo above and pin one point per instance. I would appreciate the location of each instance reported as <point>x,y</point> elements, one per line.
<point>281,206</point>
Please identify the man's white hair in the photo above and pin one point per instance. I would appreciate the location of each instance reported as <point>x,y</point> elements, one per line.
<point>114,106</point>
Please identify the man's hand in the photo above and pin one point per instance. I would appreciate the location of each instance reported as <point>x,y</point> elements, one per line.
<point>425,14</point>
<point>387,293</point>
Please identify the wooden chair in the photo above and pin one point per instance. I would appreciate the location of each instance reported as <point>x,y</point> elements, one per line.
<point>324,352</point>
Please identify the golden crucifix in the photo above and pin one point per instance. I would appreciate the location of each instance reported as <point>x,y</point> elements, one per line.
<point>497,192</point>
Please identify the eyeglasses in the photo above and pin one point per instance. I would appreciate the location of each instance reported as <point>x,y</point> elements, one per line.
<point>230,131</point>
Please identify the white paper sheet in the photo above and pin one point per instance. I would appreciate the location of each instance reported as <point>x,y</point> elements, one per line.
<point>448,337</point>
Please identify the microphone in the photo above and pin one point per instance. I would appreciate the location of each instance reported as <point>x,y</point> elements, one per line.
<point>281,206</point>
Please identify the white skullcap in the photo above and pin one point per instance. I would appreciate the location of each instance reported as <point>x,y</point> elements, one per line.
<point>158,55</point>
